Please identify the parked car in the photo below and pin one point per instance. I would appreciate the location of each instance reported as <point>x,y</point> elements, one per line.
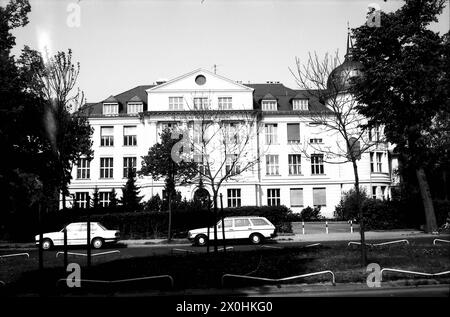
<point>244,227</point>
<point>77,235</point>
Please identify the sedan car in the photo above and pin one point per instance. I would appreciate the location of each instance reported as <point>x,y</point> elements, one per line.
<point>250,227</point>
<point>77,235</point>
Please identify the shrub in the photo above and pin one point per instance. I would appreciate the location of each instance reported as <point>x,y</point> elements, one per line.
<point>309,214</point>
<point>348,208</point>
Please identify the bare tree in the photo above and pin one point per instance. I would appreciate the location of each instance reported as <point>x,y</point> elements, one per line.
<point>327,80</point>
<point>223,143</point>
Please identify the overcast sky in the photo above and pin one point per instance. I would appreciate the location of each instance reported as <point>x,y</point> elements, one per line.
<point>121,44</point>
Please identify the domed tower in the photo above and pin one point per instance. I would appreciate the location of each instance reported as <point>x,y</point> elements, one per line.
<point>339,79</point>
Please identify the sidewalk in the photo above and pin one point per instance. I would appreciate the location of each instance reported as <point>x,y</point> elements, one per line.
<point>355,236</point>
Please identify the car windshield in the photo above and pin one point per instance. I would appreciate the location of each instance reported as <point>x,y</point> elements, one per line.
<point>101,226</point>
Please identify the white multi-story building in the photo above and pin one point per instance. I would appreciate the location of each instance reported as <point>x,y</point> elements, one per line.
<point>128,124</point>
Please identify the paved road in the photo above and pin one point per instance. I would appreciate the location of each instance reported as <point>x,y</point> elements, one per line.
<point>293,290</point>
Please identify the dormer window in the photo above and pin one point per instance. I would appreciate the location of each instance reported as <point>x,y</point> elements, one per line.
<point>269,105</point>
<point>135,107</point>
<point>300,104</point>
<point>110,109</point>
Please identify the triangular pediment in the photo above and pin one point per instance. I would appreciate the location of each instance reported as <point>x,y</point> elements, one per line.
<point>200,80</point>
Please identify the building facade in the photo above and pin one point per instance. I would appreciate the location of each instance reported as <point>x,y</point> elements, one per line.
<point>288,169</point>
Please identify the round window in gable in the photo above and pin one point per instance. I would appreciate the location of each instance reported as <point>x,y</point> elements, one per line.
<point>200,80</point>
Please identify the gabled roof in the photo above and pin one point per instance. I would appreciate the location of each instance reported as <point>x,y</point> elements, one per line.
<point>135,99</point>
<point>273,91</point>
<point>122,99</point>
<point>268,96</point>
<point>110,99</point>
<point>201,70</point>
<point>284,96</point>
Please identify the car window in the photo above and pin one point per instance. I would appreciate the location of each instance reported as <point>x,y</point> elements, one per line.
<point>84,226</point>
<point>74,227</point>
<point>241,222</point>
<point>259,222</point>
<point>228,223</point>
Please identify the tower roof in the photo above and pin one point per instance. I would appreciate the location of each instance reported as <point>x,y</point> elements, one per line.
<point>339,79</point>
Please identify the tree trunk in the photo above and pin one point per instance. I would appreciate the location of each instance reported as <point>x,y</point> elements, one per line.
<point>169,230</point>
<point>360,215</point>
<point>215,221</point>
<point>430,217</point>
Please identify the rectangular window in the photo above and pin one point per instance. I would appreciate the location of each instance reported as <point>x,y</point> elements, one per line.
<point>106,167</point>
<point>269,105</point>
<point>295,164</point>
<point>105,198</point>
<point>232,164</point>
<point>201,103</point>
<point>379,165</point>
<point>271,133</point>
<point>319,197</point>
<point>374,192</point>
<point>372,166</point>
<point>225,103</point>
<point>107,136</point>
<point>293,132</point>
<point>375,133</point>
<point>135,107</point>
<point>315,141</point>
<point>83,168</point>
<point>234,197</point>
<point>81,200</point>
<point>272,167</point>
<point>383,192</point>
<point>317,164</point>
<point>129,164</point>
<point>273,197</point>
<point>296,197</point>
<point>300,104</point>
<point>202,163</point>
<point>175,103</point>
<point>168,125</point>
<point>232,133</point>
<point>129,136</point>
<point>110,108</point>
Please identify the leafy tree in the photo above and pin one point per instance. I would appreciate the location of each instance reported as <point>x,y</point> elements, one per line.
<point>67,131</point>
<point>113,201</point>
<point>154,203</point>
<point>348,207</point>
<point>95,202</point>
<point>131,200</point>
<point>405,84</point>
<point>21,136</point>
<point>159,164</point>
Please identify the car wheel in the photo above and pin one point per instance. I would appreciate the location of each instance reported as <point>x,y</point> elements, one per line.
<point>97,243</point>
<point>47,244</point>
<point>256,238</point>
<point>201,240</point>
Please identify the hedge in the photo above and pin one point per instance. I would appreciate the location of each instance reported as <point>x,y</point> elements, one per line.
<point>154,224</point>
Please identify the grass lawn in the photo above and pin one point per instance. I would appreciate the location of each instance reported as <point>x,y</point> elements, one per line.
<point>205,271</point>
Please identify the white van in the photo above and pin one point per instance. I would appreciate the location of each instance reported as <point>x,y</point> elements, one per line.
<point>244,227</point>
